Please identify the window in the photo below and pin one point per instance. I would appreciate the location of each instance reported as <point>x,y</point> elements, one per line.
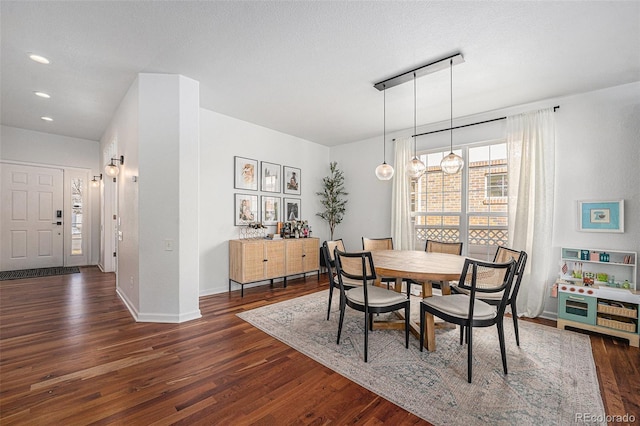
<point>496,185</point>
<point>470,206</point>
<point>76,215</point>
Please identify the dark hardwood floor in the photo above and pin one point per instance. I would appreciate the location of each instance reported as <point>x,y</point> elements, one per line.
<point>70,353</point>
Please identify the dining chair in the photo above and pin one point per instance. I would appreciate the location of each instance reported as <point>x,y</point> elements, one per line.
<point>372,244</point>
<point>327,249</point>
<point>467,310</point>
<point>367,297</point>
<point>504,254</point>
<point>433,246</point>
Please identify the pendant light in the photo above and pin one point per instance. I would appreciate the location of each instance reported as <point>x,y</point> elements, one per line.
<point>384,171</point>
<point>415,168</point>
<point>452,163</point>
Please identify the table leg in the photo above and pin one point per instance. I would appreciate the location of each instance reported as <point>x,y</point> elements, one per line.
<point>398,285</point>
<point>429,323</point>
<point>430,331</point>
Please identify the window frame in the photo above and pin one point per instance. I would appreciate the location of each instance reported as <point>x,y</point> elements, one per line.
<point>464,214</point>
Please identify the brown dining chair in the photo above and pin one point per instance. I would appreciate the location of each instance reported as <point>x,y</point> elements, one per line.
<point>372,244</point>
<point>504,254</point>
<point>367,297</point>
<point>468,310</point>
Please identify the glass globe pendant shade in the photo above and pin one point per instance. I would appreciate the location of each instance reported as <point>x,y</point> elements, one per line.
<point>415,168</point>
<point>452,164</point>
<point>112,170</point>
<point>384,171</point>
<point>95,183</point>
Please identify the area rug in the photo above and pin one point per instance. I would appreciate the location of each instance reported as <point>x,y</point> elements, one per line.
<point>552,377</point>
<point>39,272</point>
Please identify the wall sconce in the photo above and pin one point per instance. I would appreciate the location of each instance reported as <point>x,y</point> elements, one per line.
<point>95,182</point>
<point>112,169</point>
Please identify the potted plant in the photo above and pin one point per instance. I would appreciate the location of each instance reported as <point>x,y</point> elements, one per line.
<point>332,197</point>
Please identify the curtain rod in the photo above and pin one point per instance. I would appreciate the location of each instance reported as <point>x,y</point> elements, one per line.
<point>555,108</point>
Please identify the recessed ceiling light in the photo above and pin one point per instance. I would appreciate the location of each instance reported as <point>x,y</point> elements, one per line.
<point>38,58</point>
<point>45,118</point>
<point>42,95</point>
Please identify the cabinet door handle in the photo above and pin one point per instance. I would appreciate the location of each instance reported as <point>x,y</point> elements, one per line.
<point>304,255</point>
<point>265,260</point>
<point>576,298</point>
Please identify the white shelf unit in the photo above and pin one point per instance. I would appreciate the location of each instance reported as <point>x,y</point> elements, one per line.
<point>615,266</point>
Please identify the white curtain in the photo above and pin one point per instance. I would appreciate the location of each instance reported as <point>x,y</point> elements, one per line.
<point>531,151</point>
<point>401,227</point>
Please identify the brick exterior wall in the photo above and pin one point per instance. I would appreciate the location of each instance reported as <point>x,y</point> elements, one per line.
<point>443,195</point>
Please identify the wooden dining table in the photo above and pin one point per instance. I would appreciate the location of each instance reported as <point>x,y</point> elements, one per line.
<point>422,267</point>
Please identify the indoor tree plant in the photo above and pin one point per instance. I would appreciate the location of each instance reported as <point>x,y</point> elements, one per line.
<point>332,197</point>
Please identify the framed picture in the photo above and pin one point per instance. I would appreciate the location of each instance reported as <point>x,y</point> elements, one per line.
<point>291,209</point>
<point>245,173</point>
<point>246,209</point>
<point>601,216</point>
<point>270,175</point>
<point>270,210</point>
<point>291,182</point>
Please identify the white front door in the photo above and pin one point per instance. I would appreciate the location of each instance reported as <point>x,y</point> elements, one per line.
<point>31,216</point>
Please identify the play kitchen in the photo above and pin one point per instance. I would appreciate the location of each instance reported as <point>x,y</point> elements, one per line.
<point>597,291</point>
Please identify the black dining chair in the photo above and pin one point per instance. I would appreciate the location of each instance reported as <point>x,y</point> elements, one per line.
<point>327,249</point>
<point>504,254</point>
<point>367,297</point>
<point>467,310</point>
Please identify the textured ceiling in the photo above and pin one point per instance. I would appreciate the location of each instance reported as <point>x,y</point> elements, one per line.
<point>308,68</point>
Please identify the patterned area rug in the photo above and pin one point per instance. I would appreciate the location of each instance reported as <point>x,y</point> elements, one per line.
<point>552,377</point>
<point>40,272</point>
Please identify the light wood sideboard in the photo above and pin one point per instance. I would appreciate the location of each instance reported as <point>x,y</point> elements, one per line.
<point>252,261</point>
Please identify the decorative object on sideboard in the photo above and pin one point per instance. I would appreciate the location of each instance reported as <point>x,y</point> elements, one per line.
<point>253,230</point>
<point>294,229</point>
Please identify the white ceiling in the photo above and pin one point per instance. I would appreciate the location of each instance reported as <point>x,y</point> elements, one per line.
<point>308,68</point>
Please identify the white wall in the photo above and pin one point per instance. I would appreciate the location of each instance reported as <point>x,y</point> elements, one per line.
<point>47,149</point>
<point>222,138</point>
<point>156,130</point>
<point>122,132</point>
<point>598,153</point>
<point>597,149</point>
<point>167,200</point>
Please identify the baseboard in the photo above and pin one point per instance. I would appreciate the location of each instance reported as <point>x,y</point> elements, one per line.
<point>168,318</point>
<point>549,315</point>
<point>127,303</point>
